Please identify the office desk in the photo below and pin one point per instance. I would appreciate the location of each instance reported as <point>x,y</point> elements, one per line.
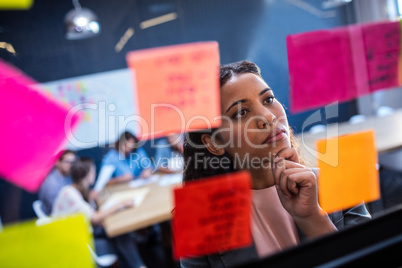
<point>156,207</point>
<point>387,131</point>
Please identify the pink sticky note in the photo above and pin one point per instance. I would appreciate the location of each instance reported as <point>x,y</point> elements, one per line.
<point>34,129</point>
<point>320,68</point>
<point>382,43</point>
<point>342,64</point>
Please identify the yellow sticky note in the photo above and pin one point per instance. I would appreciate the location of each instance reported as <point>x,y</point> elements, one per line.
<point>354,178</point>
<point>62,243</point>
<point>16,4</point>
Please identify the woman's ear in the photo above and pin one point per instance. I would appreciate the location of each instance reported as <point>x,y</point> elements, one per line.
<point>211,145</point>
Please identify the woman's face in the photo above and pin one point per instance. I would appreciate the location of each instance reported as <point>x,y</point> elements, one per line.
<point>254,124</point>
<point>128,146</point>
<point>90,178</point>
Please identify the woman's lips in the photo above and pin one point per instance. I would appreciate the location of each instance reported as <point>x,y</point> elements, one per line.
<point>277,135</point>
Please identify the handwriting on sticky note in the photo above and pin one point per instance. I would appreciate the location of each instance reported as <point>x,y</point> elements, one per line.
<point>382,48</point>
<point>343,63</point>
<point>212,215</point>
<point>36,125</point>
<point>174,85</point>
<point>60,242</point>
<point>354,178</point>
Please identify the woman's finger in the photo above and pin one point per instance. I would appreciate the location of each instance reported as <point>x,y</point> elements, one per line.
<point>287,186</point>
<point>300,179</point>
<point>289,154</point>
<point>278,166</point>
<point>291,164</point>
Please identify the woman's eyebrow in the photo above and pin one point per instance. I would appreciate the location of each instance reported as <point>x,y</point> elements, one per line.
<point>235,103</point>
<point>264,90</point>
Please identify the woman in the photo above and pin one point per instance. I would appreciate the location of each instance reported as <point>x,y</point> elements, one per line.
<point>255,136</point>
<point>74,199</point>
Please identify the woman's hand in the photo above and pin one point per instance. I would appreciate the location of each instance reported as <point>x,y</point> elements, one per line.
<point>93,196</point>
<point>146,173</point>
<point>297,188</point>
<point>100,215</point>
<point>127,203</point>
<point>297,191</point>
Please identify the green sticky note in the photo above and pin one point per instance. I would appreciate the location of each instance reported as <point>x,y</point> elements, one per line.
<point>61,243</point>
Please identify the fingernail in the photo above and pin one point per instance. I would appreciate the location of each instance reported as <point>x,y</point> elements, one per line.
<point>277,159</point>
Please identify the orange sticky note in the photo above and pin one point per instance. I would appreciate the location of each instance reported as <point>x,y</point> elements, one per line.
<point>177,88</point>
<point>353,177</point>
<point>212,215</point>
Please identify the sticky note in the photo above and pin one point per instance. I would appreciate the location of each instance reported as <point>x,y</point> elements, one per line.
<point>16,4</point>
<point>342,64</point>
<point>62,243</point>
<point>316,60</point>
<point>354,178</point>
<point>382,43</point>
<point>212,215</point>
<point>35,129</point>
<point>177,88</point>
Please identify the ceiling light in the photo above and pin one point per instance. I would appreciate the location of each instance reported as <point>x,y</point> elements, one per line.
<point>81,23</point>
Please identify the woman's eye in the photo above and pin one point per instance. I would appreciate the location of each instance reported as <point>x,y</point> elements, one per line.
<point>240,113</point>
<point>270,99</point>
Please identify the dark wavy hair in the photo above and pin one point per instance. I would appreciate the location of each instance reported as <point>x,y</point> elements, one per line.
<point>124,137</point>
<point>80,169</point>
<point>193,147</point>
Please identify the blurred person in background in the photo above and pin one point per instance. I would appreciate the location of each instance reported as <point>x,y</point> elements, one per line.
<point>130,161</point>
<point>73,199</point>
<point>57,179</point>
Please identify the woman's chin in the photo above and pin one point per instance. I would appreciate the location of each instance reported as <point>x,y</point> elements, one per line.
<point>273,151</point>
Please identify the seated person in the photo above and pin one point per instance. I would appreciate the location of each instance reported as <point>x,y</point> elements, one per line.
<point>129,162</point>
<point>74,199</point>
<point>57,179</point>
<point>256,137</point>
<point>169,154</point>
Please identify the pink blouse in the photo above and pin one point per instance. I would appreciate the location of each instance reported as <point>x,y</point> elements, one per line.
<point>273,228</point>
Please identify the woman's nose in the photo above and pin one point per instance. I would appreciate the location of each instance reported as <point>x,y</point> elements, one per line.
<point>265,119</point>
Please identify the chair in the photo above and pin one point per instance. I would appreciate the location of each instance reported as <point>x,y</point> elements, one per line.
<point>42,217</point>
<point>104,260</point>
<point>37,207</point>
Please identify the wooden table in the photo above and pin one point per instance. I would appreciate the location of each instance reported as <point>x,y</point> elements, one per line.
<point>387,131</point>
<point>155,208</point>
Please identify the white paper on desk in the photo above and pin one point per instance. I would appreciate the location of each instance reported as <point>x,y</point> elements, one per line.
<point>142,182</point>
<point>137,195</point>
<point>169,179</point>
<point>105,174</point>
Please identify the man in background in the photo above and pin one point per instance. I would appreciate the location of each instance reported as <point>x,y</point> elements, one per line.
<point>57,179</point>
